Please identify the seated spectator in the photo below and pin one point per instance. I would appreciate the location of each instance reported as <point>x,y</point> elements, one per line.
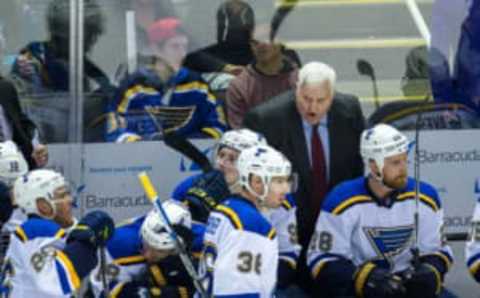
<point>43,66</point>
<point>271,74</point>
<point>164,96</point>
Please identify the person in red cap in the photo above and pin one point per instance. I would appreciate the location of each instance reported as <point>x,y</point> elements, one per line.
<point>162,96</point>
<point>168,41</point>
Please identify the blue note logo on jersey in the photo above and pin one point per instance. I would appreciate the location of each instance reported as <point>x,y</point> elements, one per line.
<point>389,242</point>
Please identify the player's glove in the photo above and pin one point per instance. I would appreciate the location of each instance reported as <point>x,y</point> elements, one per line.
<point>207,191</point>
<point>425,281</point>
<point>94,228</point>
<point>374,282</point>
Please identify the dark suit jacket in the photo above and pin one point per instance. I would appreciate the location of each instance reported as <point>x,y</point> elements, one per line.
<point>280,122</point>
<point>22,127</point>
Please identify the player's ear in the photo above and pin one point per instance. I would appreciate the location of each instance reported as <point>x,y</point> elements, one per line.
<point>44,208</point>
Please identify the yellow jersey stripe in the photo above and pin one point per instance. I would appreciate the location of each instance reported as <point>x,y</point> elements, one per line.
<point>318,267</point>
<point>272,234</point>
<point>158,276</point>
<point>361,279</point>
<point>129,260</point>
<point>286,204</point>
<point>72,273</point>
<point>212,132</point>
<point>21,234</point>
<point>196,85</point>
<point>444,258</point>
<point>117,290</point>
<point>60,234</point>
<point>291,262</point>
<point>438,278</point>
<point>231,215</point>
<point>350,202</point>
<point>474,268</point>
<point>424,198</point>
<point>122,108</point>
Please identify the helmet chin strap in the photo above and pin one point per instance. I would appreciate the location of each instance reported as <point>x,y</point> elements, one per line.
<point>261,197</point>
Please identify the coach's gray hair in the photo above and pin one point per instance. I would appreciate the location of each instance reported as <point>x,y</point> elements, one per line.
<point>316,72</point>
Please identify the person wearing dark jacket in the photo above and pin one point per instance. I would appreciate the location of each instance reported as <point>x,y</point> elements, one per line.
<point>16,126</point>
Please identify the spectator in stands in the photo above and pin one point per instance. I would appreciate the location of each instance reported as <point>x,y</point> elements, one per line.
<point>43,66</point>
<point>271,74</point>
<point>235,25</point>
<point>164,96</point>
<point>16,126</point>
<point>318,130</point>
<point>462,83</point>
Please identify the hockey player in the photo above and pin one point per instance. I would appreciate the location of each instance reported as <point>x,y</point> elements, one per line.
<point>42,260</point>
<point>12,166</point>
<point>472,249</point>
<point>164,97</point>
<point>203,192</point>
<point>240,255</point>
<point>364,235</point>
<point>143,260</point>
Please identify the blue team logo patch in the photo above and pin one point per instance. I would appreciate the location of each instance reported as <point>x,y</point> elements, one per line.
<point>389,242</point>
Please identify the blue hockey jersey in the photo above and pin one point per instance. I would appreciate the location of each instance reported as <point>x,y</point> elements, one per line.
<point>144,107</point>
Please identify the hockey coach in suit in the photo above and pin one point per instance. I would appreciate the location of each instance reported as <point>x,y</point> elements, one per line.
<point>319,131</point>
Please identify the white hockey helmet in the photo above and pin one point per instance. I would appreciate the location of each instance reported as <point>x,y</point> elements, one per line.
<point>240,139</point>
<point>262,161</point>
<point>37,184</point>
<point>380,142</point>
<point>12,162</point>
<point>154,231</point>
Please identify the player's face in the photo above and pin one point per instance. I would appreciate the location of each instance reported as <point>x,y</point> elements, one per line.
<point>313,101</point>
<point>395,171</point>
<point>174,50</point>
<point>277,192</point>
<point>153,255</point>
<point>226,160</point>
<point>63,201</point>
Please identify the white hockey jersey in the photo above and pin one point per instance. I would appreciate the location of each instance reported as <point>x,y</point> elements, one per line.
<point>35,265</point>
<point>240,255</point>
<point>353,227</point>
<point>284,220</point>
<point>472,249</point>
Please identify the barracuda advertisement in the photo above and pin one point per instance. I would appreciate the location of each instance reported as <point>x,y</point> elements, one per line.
<point>450,160</point>
<point>104,176</point>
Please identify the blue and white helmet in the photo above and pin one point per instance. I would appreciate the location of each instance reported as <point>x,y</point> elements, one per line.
<point>380,142</point>
<point>241,139</point>
<point>12,162</point>
<point>37,184</point>
<point>262,161</point>
<point>154,230</point>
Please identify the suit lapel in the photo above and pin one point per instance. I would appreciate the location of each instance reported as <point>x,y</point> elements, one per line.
<point>335,131</point>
